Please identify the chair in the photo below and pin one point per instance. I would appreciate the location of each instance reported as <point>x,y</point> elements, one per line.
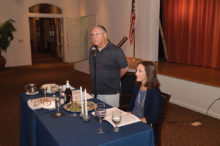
<point>164,101</point>
<point>127,85</point>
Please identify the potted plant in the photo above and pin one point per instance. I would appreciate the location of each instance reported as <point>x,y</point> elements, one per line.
<point>6,36</point>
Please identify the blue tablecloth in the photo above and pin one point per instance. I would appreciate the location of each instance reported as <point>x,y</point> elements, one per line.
<point>39,128</point>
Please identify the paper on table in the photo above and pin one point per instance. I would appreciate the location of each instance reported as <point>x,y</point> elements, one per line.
<point>77,95</point>
<point>126,119</point>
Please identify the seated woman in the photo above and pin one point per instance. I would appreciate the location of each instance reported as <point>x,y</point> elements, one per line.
<point>145,102</point>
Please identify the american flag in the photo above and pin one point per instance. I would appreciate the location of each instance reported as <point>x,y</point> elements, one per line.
<point>132,22</point>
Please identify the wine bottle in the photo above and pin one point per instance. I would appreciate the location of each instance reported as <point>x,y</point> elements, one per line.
<point>68,92</point>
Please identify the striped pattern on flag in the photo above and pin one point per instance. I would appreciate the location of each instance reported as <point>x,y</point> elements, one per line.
<point>132,22</point>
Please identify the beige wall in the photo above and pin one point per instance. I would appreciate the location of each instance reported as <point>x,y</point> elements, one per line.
<point>192,95</point>
<point>115,16</point>
<point>19,52</point>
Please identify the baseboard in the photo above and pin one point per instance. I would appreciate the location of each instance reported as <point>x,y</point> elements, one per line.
<point>194,108</point>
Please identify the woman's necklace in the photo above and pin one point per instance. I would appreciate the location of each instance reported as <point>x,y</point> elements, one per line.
<point>140,105</point>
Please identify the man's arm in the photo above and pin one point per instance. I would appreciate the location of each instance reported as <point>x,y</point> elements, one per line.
<point>123,71</point>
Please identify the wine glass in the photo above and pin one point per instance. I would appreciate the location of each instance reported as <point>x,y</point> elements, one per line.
<point>54,90</point>
<point>60,90</point>
<point>100,113</point>
<point>74,103</point>
<point>116,119</point>
<point>57,101</point>
<point>45,91</point>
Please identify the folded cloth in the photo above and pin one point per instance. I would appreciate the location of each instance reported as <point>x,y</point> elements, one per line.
<point>43,102</point>
<point>49,86</point>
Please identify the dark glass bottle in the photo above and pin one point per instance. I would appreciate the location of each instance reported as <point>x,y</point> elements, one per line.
<point>68,93</point>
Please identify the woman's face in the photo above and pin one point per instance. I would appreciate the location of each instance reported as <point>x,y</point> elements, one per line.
<point>141,74</point>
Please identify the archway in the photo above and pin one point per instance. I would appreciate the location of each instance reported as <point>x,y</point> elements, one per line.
<point>46,31</point>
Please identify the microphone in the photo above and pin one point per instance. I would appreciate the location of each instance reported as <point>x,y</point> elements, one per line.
<point>94,50</point>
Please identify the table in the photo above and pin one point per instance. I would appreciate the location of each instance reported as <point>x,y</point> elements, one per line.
<point>39,128</point>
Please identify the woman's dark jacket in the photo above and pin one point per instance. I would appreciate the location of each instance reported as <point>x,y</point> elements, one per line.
<point>152,106</point>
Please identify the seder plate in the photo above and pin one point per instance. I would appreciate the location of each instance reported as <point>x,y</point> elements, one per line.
<point>77,107</point>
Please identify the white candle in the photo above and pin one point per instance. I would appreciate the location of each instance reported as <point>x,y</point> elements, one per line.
<point>86,111</point>
<point>82,109</point>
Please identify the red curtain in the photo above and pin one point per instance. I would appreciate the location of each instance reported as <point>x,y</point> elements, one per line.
<point>192,31</point>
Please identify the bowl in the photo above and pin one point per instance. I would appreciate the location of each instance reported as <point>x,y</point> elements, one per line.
<point>30,88</point>
<point>50,88</point>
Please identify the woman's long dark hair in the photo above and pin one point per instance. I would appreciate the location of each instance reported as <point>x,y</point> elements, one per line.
<point>151,73</point>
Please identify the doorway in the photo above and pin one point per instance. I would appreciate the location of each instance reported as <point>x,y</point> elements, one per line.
<point>46,32</point>
<point>45,37</point>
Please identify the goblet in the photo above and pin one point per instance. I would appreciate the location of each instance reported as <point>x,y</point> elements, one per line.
<point>54,90</point>
<point>45,91</point>
<point>74,106</point>
<point>116,119</point>
<point>57,101</point>
<point>100,113</point>
<point>60,90</point>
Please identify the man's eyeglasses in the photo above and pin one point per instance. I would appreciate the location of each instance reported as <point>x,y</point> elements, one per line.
<point>96,34</point>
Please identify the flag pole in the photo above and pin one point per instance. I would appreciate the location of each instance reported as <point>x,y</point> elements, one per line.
<point>134,49</point>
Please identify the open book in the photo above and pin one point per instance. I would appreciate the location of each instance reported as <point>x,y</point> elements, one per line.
<point>126,119</point>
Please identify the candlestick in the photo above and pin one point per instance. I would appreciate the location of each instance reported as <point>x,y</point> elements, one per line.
<point>82,109</point>
<point>86,111</point>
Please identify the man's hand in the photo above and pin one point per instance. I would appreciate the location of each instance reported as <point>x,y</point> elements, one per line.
<point>123,71</point>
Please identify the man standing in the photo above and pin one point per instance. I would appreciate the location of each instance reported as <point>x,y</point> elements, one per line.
<point>108,65</point>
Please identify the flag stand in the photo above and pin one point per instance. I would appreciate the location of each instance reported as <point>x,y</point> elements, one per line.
<point>134,49</point>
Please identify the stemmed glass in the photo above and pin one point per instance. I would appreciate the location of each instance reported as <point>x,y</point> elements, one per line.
<point>57,101</point>
<point>116,119</point>
<point>60,90</point>
<point>53,89</point>
<point>100,113</point>
<point>45,91</point>
<point>74,106</point>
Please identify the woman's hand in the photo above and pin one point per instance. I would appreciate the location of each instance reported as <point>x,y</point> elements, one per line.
<point>143,120</point>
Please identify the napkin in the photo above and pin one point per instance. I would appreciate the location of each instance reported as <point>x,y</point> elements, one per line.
<point>63,87</point>
<point>43,102</point>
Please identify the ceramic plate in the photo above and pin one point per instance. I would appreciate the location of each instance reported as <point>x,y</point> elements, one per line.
<point>77,108</point>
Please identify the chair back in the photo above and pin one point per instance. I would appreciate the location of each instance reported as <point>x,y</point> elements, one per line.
<point>164,101</point>
<point>127,86</point>
<point>127,83</point>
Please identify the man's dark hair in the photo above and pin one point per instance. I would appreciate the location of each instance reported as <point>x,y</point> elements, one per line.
<point>102,27</point>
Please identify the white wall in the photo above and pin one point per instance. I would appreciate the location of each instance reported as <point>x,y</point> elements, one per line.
<point>115,16</point>
<point>19,52</point>
<point>192,95</point>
